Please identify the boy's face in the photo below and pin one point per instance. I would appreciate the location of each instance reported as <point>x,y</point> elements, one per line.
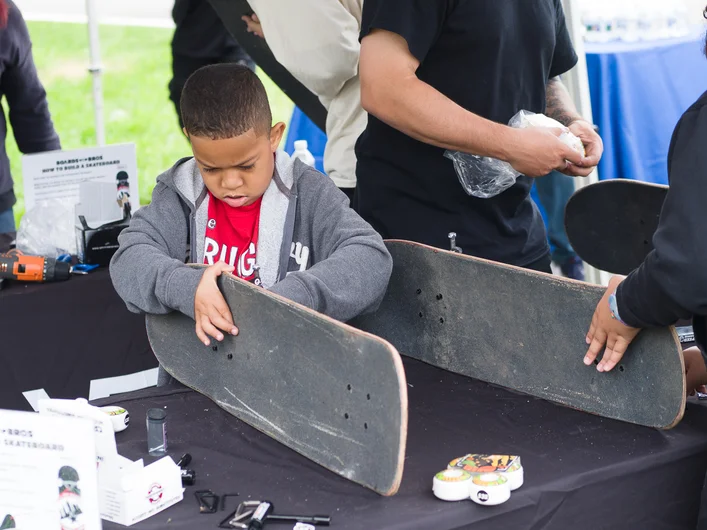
<point>237,170</point>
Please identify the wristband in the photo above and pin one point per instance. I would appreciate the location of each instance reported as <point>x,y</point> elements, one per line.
<point>614,308</point>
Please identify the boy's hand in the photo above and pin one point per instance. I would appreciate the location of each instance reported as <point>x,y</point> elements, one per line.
<point>211,312</point>
<point>695,371</point>
<point>253,25</point>
<point>606,330</point>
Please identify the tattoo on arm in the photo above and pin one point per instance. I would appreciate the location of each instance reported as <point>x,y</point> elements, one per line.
<point>559,103</point>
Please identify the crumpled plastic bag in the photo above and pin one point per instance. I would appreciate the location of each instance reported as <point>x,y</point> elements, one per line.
<point>486,177</point>
<point>48,229</point>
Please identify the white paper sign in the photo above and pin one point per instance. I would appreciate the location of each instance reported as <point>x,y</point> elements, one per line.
<point>48,476</point>
<point>57,174</point>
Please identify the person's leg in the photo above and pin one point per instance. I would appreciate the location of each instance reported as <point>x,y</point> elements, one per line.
<point>7,222</point>
<point>554,190</point>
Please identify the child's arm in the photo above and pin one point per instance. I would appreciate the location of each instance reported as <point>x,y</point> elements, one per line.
<point>672,281</point>
<point>149,271</point>
<point>695,370</point>
<point>353,266</point>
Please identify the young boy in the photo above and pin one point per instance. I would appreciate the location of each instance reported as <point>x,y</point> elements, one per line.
<point>241,206</point>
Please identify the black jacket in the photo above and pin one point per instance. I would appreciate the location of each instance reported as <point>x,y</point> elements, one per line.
<point>671,284</point>
<point>26,99</point>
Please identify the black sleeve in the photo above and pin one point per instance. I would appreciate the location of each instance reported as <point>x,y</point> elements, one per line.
<point>27,101</point>
<point>419,22</point>
<point>564,58</point>
<point>671,284</point>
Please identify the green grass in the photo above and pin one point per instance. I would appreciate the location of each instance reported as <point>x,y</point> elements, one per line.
<point>137,68</point>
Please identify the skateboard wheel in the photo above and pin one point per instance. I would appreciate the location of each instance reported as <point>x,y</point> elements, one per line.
<point>489,489</point>
<point>451,485</point>
<point>514,474</point>
<point>507,466</point>
<point>119,417</point>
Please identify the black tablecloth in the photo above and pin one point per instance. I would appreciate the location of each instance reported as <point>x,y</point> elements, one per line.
<point>581,471</point>
<point>60,336</point>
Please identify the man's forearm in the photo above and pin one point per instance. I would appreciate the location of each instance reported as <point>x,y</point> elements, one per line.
<point>559,103</point>
<point>422,112</point>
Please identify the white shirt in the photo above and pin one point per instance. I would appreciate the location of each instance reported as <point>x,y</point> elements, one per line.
<point>317,41</point>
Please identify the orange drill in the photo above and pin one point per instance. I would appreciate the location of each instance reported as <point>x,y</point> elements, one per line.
<point>14,265</point>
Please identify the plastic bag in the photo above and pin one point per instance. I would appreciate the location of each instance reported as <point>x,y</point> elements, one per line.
<point>486,177</point>
<point>48,229</point>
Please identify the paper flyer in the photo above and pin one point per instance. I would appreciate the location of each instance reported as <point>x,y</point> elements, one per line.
<point>48,476</point>
<point>57,174</point>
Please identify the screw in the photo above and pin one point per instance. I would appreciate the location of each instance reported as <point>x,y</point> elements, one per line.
<point>453,242</point>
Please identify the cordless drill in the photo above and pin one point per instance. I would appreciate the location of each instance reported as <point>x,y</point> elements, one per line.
<point>14,265</point>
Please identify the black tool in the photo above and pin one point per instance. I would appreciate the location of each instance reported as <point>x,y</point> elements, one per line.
<point>242,518</point>
<point>184,461</point>
<point>318,520</point>
<point>223,499</point>
<point>208,501</point>
<point>261,513</point>
<point>188,477</point>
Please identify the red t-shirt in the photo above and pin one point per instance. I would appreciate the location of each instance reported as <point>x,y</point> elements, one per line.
<point>232,236</point>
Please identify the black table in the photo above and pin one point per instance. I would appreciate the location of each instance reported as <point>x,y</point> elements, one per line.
<point>581,471</point>
<point>60,336</point>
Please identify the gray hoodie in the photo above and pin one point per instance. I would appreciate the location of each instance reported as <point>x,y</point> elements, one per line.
<point>312,248</point>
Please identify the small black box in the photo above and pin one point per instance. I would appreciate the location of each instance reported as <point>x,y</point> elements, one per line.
<point>96,246</point>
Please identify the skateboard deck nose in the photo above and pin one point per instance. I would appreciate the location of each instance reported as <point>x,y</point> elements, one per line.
<point>525,331</point>
<point>332,393</point>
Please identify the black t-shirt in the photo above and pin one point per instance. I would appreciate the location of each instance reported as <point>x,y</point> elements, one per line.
<point>494,58</point>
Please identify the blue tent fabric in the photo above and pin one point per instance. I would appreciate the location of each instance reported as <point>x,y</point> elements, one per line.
<point>639,91</point>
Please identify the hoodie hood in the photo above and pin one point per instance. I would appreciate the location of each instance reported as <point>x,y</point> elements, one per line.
<point>276,227</point>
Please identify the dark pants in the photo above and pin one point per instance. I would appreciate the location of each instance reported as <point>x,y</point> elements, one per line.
<point>554,190</point>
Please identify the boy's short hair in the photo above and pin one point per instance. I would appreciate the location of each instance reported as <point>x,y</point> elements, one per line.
<point>224,101</point>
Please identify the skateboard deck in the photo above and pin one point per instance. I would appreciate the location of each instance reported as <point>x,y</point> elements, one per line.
<point>522,330</point>
<point>230,13</point>
<point>332,393</point>
<point>610,224</point>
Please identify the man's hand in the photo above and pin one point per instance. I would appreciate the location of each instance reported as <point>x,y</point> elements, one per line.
<point>606,330</point>
<point>536,152</point>
<point>695,371</point>
<point>253,25</point>
<point>211,312</point>
<point>593,146</point>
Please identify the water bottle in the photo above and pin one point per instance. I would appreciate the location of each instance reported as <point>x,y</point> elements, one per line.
<point>303,153</point>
